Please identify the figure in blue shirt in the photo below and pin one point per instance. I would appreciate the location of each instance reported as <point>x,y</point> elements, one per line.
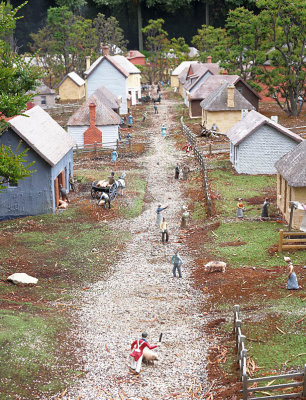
<point>177,263</point>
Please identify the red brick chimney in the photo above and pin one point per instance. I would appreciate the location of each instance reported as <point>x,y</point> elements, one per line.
<point>105,50</point>
<point>30,105</point>
<point>92,135</point>
<point>208,60</point>
<point>224,72</point>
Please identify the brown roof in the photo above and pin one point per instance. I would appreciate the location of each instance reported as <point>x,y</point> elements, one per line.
<point>104,114</point>
<point>251,122</point>
<point>43,89</point>
<point>217,101</point>
<point>198,71</point>
<point>292,166</point>
<point>134,54</point>
<point>111,60</point>
<point>211,84</point>
<point>183,75</point>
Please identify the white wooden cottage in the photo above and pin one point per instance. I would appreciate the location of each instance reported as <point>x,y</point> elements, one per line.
<point>257,143</point>
<point>95,122</point>
<point>134,79</point>
<point>105,71</point>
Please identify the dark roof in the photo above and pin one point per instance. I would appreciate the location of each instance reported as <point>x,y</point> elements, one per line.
<point>109,59</point>
<point>251,122</point>
<point>217,100</point>
<point>43,89</point>
<point>44,135</point>
<point>104,114</point>
<point>292,166</point>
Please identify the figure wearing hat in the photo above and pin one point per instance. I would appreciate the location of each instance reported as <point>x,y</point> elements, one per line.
<point>137,348</point>
<point>240,209</point>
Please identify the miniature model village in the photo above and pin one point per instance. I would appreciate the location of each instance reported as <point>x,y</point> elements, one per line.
<point>158,248</point>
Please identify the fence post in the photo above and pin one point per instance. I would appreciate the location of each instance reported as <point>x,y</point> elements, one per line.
<point>77,150</point>
<point>209,147</point>
<point>304,382</point>
<point>245,387</point>
<point>281,239</point>
<point>237,325</point>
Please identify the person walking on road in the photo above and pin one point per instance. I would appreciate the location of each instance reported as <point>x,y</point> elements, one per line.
<point>177,264</point>
<point>164,230</point>
<point>155,109</point>
<point>159,215</point>
<point>177,172</point>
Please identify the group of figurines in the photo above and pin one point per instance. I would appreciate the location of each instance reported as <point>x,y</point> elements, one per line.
<point>163,224</point>
<point>185,172</point>
<point>264,211</point>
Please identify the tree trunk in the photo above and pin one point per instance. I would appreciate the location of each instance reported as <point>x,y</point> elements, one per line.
<point>139,19</point>
<point>206,13</point>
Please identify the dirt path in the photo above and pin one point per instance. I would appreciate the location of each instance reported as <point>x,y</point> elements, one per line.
<point>141,295</point>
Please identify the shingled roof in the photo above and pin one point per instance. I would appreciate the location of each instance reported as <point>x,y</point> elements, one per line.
<point>212,83</point>
<point>43,90</point>
<point>44,135</point>
<point>292,166</point>
<point>126,64</point>
<point>199,70</point>
<point>217,100</point>
<point>183,65</point>
<point>134,54</point>
<point>183,75</point>
<point>109,59</point>
<point>74,77</point>
<point>104,113</point>
<point>251,122</point>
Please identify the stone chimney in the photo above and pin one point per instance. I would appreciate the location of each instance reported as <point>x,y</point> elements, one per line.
<point>92,114</point>
<point>208,60</point>
<point>105,50</point>
<point>230,96</point>
<point>87,62</point>
<point>30,105</point>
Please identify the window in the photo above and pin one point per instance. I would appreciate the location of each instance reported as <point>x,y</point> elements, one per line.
<point>12,184</point>
<point>43,100</point>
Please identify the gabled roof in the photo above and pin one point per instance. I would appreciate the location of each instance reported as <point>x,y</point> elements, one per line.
<point>217,101</point>
<point>104,114</point>
<point>109,59</point>
<point>44,135</point>
<point>75,78</point>
<point>107,97</point>
<point>292,166</point>
<point>126,64</point>
<point>182,66</point>
<point>198,71</point>
<point>183,75</point>
<point>253,121</point>
<point>212,83</point>
<point>134,54</point>
<point>43,90</point>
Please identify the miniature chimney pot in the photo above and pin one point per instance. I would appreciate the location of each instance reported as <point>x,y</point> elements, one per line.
<point>208,60</point>
<point>105,50</point>
<point>224,72</point>
<point>230,96</point>
<point>92,114</point>
<point>87,62</point>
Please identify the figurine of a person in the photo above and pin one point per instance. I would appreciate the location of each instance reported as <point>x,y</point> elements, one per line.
<point>144,116</point>
<point>114,155</point>
<point>130,120</point>
<point>127,138</point>
<point>240,209</point>
<point>164,230</point>
<point>187,148</point>
<point>137,348</point>
<point>214,127</point>
<point>155,109</point>
<point>71,182</point>
<point>292,283</point>
<point>177,172</point>
<point>111,179</point>
<point>177,264</point>
<point>159,215</point>
<point>186,170</point>
<point>185,217</point>
<point>163,130</point>
<point>264,211</point>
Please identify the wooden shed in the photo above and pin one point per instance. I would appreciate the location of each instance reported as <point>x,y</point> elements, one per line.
<point>223,107</point>
<point>44,97</point>
<point>51,147</point>
<point>291,182</point>
<point>72,87</point>
<point>212,83</point>
<point>257,143</point>
<point>95,122</point>
<point>105,71</point>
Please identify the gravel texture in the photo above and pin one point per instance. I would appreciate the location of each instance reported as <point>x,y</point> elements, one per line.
<point>139,295</point>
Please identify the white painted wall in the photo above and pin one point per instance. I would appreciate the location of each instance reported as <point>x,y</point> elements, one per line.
<point>109,135</point>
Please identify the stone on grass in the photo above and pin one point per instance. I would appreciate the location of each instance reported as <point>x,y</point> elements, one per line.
<point>22,278</point>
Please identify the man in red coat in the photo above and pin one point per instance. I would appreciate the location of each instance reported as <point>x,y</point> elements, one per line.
<point>137,348</point>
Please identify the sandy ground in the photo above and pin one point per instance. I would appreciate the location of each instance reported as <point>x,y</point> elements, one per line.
<point>142,295</point>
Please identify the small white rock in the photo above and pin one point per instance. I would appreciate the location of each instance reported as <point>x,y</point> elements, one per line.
<point>26,279</point>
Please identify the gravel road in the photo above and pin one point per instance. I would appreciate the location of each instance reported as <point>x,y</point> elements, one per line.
<point>141,295</point>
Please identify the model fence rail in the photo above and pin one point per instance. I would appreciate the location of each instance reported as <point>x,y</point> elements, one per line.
<point>201,160</point>
<point>105,147</point>
<point>291,240</point>
<point>248,384</point>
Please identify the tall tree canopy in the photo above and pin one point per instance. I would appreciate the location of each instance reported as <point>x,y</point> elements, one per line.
<point>16,78</point>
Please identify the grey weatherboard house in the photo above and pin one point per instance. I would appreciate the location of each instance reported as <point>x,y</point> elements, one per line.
<point>51,147</point>
<point>257,142</point>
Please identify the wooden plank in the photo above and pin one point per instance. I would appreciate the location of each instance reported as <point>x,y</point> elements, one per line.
<point>278,396</point>
<point>271,377</point>
<point>280,243</point>
<point>294,234</point>
<point>281,386</point>
<point>286,241</point>
<point>292,246</point>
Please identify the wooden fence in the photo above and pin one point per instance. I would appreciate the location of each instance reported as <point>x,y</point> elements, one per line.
<point>62,108</point>
<point>107,147</point>
<point>201,160</point>
<point>286,242</point>
<point>249,384</point>
<point>216,148</point>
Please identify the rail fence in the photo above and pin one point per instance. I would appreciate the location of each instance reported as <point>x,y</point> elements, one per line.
<point>291,240</point>
<point>62,108</point>
<point>201,160</point>
<point>249,384</point>
<point>97,147</point>
<point>216,148</point>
